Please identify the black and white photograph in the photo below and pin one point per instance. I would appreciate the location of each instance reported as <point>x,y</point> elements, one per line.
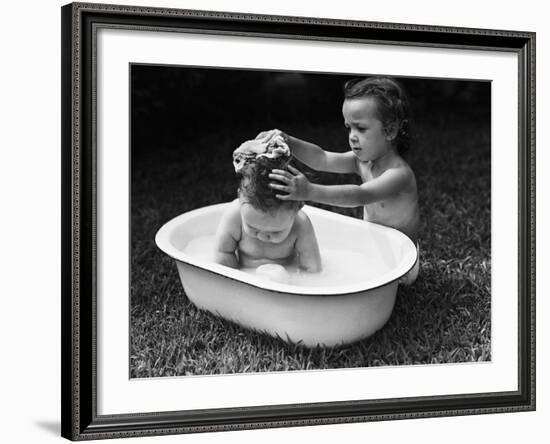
<point>295,221</point>
<point>274,222</point>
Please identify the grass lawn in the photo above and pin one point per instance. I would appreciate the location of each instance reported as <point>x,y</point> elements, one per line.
<point>444,317</point>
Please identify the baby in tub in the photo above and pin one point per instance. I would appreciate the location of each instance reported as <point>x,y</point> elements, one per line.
<point>258,230</point>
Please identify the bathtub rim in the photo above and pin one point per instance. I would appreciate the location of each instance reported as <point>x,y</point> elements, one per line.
<point>162,240</point>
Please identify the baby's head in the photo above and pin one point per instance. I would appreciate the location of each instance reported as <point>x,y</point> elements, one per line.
<point>392,106</point>
<point>264,215</point>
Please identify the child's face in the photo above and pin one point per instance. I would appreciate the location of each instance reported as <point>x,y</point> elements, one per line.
<point>271,227</point>
<point>367,137</point>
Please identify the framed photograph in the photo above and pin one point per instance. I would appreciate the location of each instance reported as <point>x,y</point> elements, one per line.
<point>277,221</point>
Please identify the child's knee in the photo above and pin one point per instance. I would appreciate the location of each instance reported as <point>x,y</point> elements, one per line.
<point>410,277</point>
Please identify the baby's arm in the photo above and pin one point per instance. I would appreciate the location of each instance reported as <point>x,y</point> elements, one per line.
<point>307,249</point>
<point>228,235</point>
<point>297,187</point>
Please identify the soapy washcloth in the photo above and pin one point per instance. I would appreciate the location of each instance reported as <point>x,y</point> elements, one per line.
<point>250,150</point>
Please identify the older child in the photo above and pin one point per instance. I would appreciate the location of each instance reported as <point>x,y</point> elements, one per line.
<point>375,113</point>
<point>258,228</point>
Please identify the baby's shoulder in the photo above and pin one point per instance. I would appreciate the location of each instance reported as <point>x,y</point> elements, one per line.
<point>302,222</point>
<point>231,218</point>
<point>304,234</point>
<point>234,206</point>
<point>232,209</point>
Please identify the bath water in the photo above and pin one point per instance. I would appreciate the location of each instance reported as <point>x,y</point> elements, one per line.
<point>340,267</point>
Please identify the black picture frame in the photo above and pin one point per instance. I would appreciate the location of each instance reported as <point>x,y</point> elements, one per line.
<point>80,420</point>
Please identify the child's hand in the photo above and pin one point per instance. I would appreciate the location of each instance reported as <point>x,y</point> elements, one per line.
<point>292,182</point>
<point>266,136</point>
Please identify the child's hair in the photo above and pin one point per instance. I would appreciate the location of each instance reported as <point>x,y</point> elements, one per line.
<point>392,105</point>
<point>254,185</point>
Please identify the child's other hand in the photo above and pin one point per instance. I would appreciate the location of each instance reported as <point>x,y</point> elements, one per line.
<point>292,182</point>
<point>266,136</point>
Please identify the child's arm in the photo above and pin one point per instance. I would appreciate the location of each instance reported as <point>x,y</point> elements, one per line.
<point>307,249</point>
<point>228,235</point>
<point>298,187</point>
<point>321,160</point>
<point>314,156</point>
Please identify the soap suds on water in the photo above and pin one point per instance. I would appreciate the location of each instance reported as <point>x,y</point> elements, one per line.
<point>340,267</point>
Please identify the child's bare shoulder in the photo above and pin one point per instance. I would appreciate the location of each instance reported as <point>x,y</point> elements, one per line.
<point>302,223</point>
<point>401,168</point>
<point>231,219</point>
